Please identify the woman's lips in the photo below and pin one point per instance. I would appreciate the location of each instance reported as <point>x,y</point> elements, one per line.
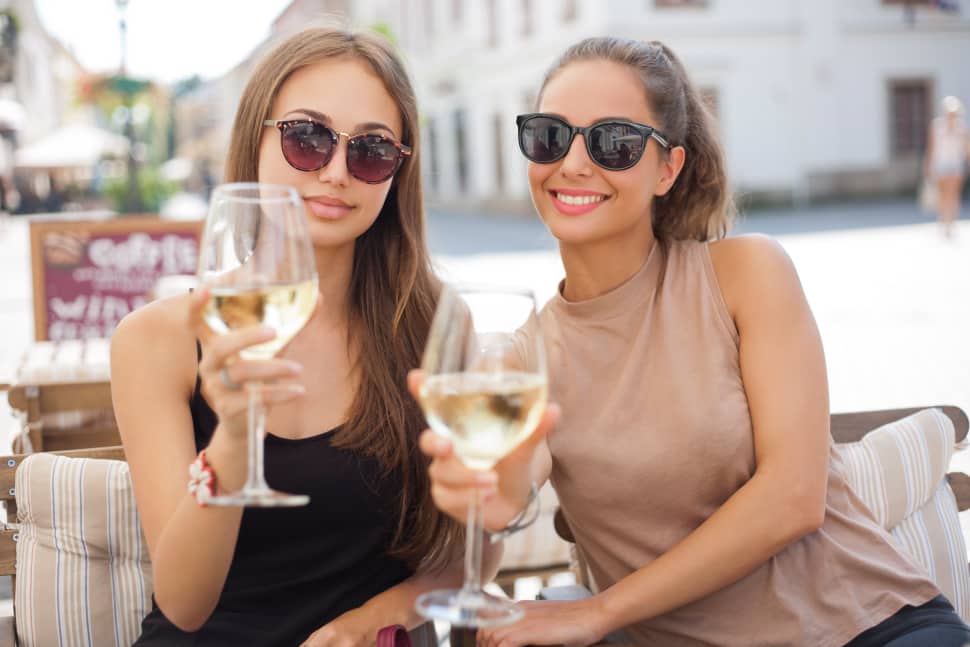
<point>327,208</point>
<point>576,203</point>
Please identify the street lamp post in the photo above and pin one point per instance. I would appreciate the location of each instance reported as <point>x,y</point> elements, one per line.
<point>133,200</point>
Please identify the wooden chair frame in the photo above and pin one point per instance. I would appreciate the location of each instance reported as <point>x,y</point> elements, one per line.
<point>39,399</point>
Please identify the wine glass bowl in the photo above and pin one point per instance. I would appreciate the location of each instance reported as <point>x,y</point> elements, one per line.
<point>257,262</point>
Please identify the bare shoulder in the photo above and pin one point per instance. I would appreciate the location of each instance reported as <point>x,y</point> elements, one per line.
<point>751,268</point>
<point>158,335</point>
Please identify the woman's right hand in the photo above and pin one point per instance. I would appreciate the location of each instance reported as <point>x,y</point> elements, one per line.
<point>505,489</point>
<point>224,375</point>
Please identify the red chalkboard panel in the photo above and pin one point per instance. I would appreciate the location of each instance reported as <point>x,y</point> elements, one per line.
<point>88,274</point>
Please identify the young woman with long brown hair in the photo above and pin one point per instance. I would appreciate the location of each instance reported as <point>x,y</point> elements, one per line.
<point>692,459</point>
<point>332,114</point>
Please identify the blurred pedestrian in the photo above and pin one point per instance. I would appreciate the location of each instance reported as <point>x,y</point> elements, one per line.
<point>945,164</point>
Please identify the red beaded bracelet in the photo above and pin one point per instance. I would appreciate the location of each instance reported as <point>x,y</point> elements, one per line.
<point>202,480</point>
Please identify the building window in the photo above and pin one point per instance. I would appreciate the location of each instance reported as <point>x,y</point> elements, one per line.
<point>527,18</point>
<point>569,10</point>
<point>491,18</point>
<point>909,115</point>
<point>461,150</point>
<point>499,133</point>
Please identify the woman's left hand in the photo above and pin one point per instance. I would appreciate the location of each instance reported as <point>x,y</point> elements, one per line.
<point>356,628</point>
<point>573,624</point>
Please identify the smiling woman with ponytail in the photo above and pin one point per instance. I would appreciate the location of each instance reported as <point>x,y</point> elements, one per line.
<point>693,462</point>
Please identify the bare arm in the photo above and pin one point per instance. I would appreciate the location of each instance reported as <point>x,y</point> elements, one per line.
<point>785,498</point>
<point>153,370</point>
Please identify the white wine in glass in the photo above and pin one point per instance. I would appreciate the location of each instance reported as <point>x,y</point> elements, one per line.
<point>284,308</point>
<point>485,389</point>
<point>484,414</point>
<point>257,262</point>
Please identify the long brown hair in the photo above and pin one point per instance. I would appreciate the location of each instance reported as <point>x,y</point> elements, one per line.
<point>392,292</point>
<point>699,205</point>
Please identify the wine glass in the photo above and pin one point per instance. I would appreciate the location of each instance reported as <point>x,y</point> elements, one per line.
<point>484,389</point>
<point>257,262</point>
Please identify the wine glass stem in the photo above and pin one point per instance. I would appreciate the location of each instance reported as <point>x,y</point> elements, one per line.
<point>473,547</point>
<point>257,426</point>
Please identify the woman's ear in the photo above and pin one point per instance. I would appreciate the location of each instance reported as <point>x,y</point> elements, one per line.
<point>670,167</point>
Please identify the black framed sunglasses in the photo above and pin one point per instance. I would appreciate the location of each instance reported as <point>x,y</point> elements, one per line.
<point>613,144</point>
<point>309,145</point>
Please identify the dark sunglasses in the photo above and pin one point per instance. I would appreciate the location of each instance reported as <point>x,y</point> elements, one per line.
<point>614,144</point>
<point>309,146</point>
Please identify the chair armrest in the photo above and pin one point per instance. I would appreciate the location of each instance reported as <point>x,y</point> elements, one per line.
<point>960,484</point>
<point>7,632</point>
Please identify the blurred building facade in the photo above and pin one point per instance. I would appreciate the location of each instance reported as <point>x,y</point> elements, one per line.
<point>40,73</point>
<point>205,115</point>
<point>38,77</point>
<point>815,100</point>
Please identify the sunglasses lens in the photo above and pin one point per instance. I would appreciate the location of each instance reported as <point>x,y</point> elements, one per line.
<point>544,139</point>
<point>615,146</point>
<point>307,145</point>
<point>372,158</point>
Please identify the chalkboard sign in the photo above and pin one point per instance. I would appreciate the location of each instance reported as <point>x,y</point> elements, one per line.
<point>88,274</point>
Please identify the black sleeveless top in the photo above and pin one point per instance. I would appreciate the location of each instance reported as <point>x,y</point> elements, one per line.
<point>296,569</point>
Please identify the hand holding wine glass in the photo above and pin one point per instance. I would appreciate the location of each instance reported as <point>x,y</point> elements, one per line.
<point>505,489</point>
<point>484,389</point>
<point>256,264</point>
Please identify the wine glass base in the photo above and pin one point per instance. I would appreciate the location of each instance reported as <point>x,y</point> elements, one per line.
<point>462,608</point>
<point>259,498</point>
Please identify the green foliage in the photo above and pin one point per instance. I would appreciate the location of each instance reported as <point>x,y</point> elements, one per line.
<point>151,187</point>
<point>10,25</point>
<point>384,30</point>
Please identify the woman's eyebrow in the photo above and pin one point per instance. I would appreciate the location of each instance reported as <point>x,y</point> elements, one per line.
<point>323,118</point>
<point>373,125</point>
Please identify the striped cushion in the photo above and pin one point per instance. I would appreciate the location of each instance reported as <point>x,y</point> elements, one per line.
<point>899,471</point>
<point>83,571</point>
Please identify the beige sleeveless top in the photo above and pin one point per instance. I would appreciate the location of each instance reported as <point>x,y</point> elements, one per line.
<point>656,435</point>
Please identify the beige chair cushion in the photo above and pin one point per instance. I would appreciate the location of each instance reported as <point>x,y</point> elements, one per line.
<point>83,571</point>
<point>899,471</point>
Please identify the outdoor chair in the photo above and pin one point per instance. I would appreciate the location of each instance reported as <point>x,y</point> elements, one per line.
<point>923,517</point>
<point>79,560</point>
<point>62,391</point>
